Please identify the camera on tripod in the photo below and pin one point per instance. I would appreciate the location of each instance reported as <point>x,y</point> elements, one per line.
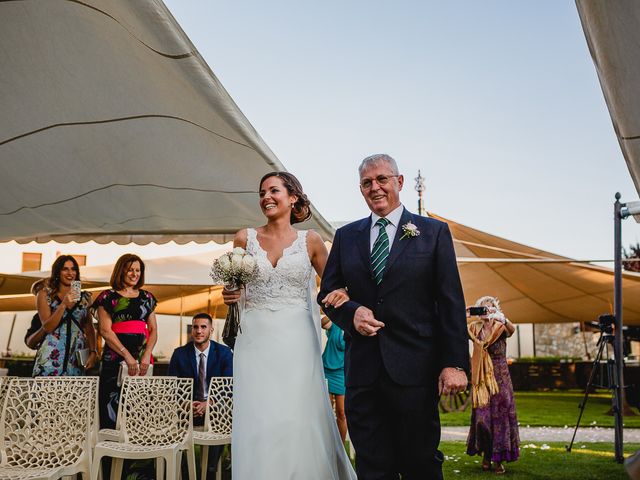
<point>605,323</point>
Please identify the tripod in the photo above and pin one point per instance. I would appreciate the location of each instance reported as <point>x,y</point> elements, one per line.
<point>612,380</point>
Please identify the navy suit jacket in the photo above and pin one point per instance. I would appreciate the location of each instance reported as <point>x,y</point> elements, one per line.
<point>219,362</point>
<point>419,300</point>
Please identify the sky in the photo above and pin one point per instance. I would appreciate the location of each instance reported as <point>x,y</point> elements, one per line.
<point>496,102</point>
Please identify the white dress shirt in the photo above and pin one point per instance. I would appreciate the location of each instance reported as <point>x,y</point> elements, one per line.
<point>206,358</point>
<point>392,226</point>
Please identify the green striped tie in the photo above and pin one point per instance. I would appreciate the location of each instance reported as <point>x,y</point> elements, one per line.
<point>380,251</point>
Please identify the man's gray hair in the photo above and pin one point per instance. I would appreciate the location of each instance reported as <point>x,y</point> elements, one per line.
<point>376,159</point>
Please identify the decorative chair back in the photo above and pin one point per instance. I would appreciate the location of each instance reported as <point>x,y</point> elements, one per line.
<point>220,406</point>
<point>46,423</point>
<point>45,382</point>
<point>156,410</point>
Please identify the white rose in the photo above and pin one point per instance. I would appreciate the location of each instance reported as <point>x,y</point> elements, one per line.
<point>248,263</point>
<point>236,261</point>
<point>224,262</point>
<point>238,251</point>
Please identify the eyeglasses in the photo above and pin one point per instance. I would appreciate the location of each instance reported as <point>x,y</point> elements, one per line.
<point>366,183</point>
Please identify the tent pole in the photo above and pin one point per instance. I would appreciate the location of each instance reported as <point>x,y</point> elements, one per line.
<point>13,324</point>
<point>618,338</point>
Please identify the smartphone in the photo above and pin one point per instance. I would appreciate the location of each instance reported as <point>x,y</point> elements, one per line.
<point>478,311</point>
<point>76,287</point>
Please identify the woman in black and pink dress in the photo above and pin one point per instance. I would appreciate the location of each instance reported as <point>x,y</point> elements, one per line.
<point>127,322</point>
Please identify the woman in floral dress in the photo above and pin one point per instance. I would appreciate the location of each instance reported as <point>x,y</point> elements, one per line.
<point>494,426</point>
<point>127,322</point>
<point>66,322</point>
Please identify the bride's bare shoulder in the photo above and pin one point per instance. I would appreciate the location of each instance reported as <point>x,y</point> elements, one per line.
<point>314,240</point>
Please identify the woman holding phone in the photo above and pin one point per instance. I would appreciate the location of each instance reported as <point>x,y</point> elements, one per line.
<point>494,426</point>
<point>128,325</point>
<point>66,322</point>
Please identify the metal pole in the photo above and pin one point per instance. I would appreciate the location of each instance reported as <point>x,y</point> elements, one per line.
<point>618,340</point>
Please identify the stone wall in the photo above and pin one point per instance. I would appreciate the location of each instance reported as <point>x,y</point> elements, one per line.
<point>564,340</point>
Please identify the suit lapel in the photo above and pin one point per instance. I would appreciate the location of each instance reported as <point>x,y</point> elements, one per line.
<point>364,242</point>
<point>211,358</point>
<point>191,351</point>
<point>398,246</point>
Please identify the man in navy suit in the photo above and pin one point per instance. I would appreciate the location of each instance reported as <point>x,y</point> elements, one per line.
<point>202,359</point>
<point>406,339</point>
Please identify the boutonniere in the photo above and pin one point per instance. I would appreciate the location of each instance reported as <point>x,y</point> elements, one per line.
<point>409,230</point>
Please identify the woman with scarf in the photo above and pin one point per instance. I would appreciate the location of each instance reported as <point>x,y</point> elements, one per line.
<point>494,427</point>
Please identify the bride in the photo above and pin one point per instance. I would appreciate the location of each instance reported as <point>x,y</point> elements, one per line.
<point>283,425</point>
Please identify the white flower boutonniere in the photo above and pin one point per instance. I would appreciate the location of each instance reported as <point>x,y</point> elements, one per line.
<point>409,230</point>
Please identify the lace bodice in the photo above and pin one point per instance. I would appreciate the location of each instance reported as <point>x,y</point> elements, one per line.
<point>285,285</point>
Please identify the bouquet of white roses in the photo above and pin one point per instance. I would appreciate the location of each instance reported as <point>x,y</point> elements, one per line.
<point>233,270</point>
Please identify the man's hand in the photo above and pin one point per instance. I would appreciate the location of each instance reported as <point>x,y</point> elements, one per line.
<point>199,408</point>
<point>365,323</point>
<point>452,381</point>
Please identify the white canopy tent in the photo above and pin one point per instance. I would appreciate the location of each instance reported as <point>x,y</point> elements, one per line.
<point>114,128</point>
<point>612,30</point>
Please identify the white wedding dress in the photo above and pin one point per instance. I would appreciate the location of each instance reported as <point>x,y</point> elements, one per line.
<point>283,424</point>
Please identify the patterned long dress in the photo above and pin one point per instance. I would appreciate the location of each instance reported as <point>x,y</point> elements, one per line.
<point>128,315</point>
<point>56,355</point>
<point>494,427</point>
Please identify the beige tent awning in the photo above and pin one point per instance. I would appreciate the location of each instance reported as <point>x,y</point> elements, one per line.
<point>181,284</point>
<point>114,128</point>
<point>533,286</point>
<point>612,30</point>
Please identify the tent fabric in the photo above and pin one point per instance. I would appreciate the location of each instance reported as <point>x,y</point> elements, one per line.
<point>536,291</point>
<point>181,284</point>
<point>114,128</point>
<point>612,30</point>
<point>533,286</point>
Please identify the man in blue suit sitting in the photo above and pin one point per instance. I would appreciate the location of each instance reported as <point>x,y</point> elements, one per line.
<point>202,359</point>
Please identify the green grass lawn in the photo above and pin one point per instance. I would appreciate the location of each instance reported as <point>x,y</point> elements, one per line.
<point>587,461</point>
<point>554,409</point>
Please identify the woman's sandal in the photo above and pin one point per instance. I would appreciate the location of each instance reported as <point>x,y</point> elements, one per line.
<point>486,465</point>
<point>499,468</point>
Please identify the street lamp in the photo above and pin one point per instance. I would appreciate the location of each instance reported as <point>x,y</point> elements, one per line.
<point>420,188</point>
<point>620,212</point>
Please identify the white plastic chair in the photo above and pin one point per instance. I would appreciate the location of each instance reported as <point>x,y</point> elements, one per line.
<point>217,422</point>
<point>155,417</point>
<point>46,428</point>
<point>113,435</point>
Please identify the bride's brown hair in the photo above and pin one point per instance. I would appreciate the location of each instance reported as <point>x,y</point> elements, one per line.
<point>300,210</point>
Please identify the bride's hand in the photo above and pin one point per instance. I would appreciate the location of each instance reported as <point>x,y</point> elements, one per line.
<point>231,296</point>
<point>336,298</point>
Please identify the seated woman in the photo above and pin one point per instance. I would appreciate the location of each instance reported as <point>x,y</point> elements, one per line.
<point>67,325</point>
<point>127,323</point>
